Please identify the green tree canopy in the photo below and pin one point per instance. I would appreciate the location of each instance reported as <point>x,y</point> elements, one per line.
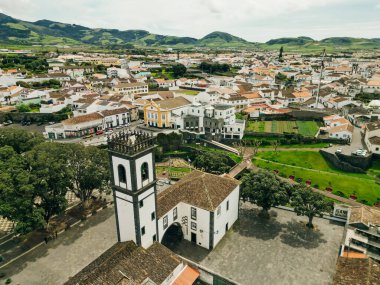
<point>264,189</point>
<point>212,162</point>
<point>309,203</point>
<point>17,194</point>
<point>48,163</point>
<point>20,140</point>
<point>179,70</point>
<point>89,170</point>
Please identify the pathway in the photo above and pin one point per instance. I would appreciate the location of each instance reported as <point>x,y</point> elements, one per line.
<point>56,261</point>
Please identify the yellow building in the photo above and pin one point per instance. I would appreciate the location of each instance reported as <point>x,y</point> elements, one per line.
<point>166,113</point>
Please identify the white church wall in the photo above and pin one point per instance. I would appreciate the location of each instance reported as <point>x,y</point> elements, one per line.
<point>125,219</point>
<point>146,209</point>
<point>225,216</point>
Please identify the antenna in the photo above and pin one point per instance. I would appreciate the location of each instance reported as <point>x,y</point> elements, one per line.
<point>320,77</point>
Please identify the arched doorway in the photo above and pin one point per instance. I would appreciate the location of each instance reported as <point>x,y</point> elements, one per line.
<point>173,236</point>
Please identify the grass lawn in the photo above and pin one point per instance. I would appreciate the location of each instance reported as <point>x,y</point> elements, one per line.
<point>177,172</point>
<point>316,145</point>
<point>321,173</point>
<point>187,92</point>
<point>305,128</point>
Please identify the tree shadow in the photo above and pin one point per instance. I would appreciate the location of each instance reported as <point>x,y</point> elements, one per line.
<point>297,235</point>
<point>252,224</point>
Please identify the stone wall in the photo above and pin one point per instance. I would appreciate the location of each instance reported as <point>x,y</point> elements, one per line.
<point>340,164</point>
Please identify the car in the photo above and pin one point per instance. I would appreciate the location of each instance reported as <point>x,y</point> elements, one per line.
<point>7,123</point>
<point>88,136</point>
<point>51,123</point>
<point>119,127</point>
<point>99,132</point>
<point>109,132</point>
<point>339,150</point>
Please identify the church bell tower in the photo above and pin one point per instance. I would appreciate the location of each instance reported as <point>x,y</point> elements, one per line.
<point>134,186</point>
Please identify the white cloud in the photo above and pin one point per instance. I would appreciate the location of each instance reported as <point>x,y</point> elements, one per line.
<point>176,17</point>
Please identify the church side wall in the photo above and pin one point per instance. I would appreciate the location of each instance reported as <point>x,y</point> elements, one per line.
<point>225,216</point>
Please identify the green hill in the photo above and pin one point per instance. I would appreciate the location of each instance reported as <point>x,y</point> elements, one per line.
<point>45,32</point>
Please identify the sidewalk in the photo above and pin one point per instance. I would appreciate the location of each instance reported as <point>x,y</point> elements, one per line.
<point>17,246</point>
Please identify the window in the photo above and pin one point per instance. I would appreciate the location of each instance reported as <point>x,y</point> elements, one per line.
<point>154,237</point>
<point>144,171</point>
<point>228,205</point>
<point>165,220</point>
<point>141,203</point>
<point>143,231</point>
<point>153,215</point>
<point>218,211</point>
<point>175,214</point>
<point>122,174</point>
<point>193,226</point>
<point>193,213</point>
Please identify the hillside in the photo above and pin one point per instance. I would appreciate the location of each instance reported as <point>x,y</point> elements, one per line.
<point>45,32</point>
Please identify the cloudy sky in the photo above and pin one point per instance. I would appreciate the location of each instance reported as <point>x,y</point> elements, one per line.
<point>254,20</point>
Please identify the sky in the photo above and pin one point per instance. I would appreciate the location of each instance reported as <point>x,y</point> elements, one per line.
<point>253,20</point>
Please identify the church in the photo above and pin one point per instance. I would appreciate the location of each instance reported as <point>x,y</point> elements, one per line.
<point>202,206</point>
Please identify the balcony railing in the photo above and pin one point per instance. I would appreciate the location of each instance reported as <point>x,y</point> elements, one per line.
<point>130,142</point>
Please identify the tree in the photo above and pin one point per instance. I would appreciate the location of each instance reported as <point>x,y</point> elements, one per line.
<point>211,162</point>
<point>20,140</point>
<point>255,144</point>
<point>17,194</point>
<point>275,144</point>
<point>23,108</point>
<point>281,52</point>
<point>89,167</point>
<point>264,189</point>
<point>179,70</point>
<point>241,146</point>
<point>309,203</point>
<point>48,164</point>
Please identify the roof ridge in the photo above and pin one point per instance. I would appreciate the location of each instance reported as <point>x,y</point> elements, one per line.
<point>207,192</point>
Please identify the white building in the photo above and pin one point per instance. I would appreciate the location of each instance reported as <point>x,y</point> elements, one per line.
<point>201,207</point>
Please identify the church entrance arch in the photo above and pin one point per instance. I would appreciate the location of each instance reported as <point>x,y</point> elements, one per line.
<point>173,235</point>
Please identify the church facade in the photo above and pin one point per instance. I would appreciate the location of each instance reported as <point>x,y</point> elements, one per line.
<point>204,206</point>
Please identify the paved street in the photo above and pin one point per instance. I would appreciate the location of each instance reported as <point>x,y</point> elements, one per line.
<point>280,251</point>
<point>55,262</point>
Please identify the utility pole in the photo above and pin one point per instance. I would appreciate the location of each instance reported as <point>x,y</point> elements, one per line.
<point>320,78</point>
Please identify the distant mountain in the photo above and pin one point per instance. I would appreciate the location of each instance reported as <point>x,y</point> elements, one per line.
<point>292,41</point>
<point>45,32</point>
<point>49,32</point>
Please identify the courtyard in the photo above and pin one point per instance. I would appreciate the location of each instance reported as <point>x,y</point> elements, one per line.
<point>276,251</point>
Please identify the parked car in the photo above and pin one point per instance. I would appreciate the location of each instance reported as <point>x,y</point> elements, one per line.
<point>88,136</point>
<point>109,132</point>
<point>339,150</point>
<point>119,127</point>
<point>7,123</point>
<point>99,132</point>
<point>51,123</point>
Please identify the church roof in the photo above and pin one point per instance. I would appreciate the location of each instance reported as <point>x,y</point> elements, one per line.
<point>203,190</point>
<point>127,264</point>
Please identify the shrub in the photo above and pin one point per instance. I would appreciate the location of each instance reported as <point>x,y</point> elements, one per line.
<point>2,274</point>
<point>316,186</point>
<point>340,193</point>
<point>8,281</point>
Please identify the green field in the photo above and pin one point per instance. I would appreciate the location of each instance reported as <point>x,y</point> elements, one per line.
<point>305,128</point>
<point>309,165</point>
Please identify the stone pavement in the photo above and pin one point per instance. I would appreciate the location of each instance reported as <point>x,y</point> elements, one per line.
<point>280,251</point>
<point>56,261</point>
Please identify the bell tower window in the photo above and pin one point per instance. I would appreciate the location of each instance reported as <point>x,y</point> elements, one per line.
<point>122,174</point>
<point>144,171</point>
